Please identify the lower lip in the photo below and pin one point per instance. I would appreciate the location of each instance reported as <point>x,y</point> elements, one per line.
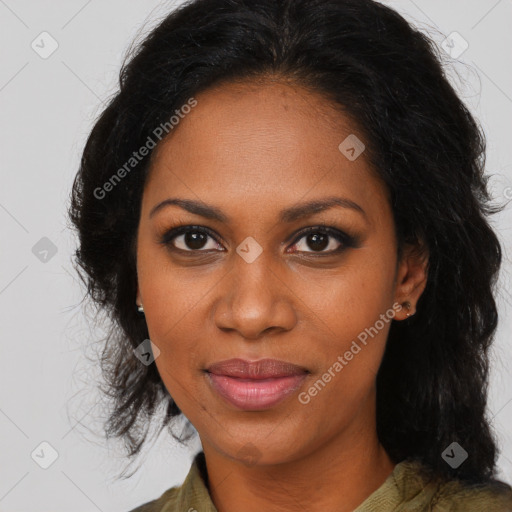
<point>255,394</point>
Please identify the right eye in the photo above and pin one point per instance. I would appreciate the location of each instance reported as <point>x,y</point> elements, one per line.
<point>190,239</point>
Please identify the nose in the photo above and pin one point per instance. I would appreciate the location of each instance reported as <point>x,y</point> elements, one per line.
<point>254,300</point>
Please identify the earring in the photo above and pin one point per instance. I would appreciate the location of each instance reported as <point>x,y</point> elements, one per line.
<point>140,308</point>
<point>407,304</point>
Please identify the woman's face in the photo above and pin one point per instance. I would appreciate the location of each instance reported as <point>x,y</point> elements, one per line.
<point>251,284</point>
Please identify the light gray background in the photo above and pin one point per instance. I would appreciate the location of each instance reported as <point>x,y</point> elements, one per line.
<point>48,106</point>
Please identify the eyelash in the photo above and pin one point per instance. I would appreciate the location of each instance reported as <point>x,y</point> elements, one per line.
<point>346,241</point>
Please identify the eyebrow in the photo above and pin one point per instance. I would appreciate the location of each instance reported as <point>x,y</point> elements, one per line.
<point>289,215</point>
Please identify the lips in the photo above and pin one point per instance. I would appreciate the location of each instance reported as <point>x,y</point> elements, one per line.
<point>256,385</point>
<point>262,369</point>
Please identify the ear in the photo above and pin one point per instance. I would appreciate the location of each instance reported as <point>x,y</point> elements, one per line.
<point>411,277</point>
<point>138,299</point>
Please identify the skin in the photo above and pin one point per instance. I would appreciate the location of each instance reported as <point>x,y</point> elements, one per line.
<point>252,149</point>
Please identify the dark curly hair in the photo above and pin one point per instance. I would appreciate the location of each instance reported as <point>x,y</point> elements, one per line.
<point>421,140</point>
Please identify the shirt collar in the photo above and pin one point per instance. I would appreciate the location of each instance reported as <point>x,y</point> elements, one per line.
<point>405,482</point>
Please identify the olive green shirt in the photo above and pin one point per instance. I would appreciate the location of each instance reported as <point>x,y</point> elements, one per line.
<point>405,490</point>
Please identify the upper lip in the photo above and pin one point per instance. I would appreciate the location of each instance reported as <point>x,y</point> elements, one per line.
<point>262,369</point>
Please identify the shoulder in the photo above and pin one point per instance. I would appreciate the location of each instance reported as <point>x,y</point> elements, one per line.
<point>169,500</point>
<point>416,482</point>
<point>190,496</point>
<point>460,497</point>
<point>177,499</point>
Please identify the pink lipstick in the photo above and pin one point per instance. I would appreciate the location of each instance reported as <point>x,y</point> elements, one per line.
<point>256,385</point>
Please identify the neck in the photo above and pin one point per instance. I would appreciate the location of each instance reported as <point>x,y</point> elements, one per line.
<point>339,476</point>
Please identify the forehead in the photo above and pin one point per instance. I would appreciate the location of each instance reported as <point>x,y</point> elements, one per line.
<point>261,144</point>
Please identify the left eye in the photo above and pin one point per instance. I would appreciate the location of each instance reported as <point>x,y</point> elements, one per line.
<point>320,240</point>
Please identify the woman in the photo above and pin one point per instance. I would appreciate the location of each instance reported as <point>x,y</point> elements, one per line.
<point>284,211</point>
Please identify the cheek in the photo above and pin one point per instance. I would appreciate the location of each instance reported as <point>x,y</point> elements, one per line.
<point>350,298</point>
<point>352,309</point>
<point>348,355</point>
<point>172,295</point>
<point>181,342</point>
<point>173,303</point>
